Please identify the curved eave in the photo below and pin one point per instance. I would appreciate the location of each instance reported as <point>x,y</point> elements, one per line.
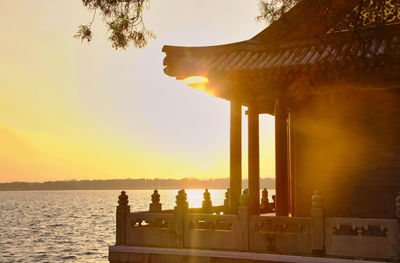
<point>253,58</point>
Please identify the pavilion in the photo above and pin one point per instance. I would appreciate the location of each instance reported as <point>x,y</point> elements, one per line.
<point>297,72</point>
<point>333,87</point>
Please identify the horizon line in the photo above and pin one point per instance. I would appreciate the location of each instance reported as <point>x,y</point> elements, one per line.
<point>78,180</point>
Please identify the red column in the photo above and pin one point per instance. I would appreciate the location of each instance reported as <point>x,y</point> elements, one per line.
<point>235,156</point>
<point>281,161</point>
<point>254,161</point>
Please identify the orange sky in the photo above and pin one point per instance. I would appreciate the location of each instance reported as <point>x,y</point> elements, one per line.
<point>77,111</point>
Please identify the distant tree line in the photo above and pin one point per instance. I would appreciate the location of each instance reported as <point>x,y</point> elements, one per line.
<point>130,184</point>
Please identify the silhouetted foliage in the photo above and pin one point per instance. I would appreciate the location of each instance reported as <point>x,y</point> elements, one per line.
<point>272,10</point>
<point>365,13</point>
<point>124,20</point>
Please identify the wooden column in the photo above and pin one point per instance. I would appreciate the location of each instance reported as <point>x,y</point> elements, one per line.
<point>281,161</point>
<point>235,156</point>
<point>254,161</point>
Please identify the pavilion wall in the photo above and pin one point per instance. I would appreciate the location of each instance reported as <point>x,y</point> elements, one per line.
<point>347,145</point>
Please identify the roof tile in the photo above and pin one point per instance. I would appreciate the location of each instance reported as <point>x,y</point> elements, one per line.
<point>337,50</point>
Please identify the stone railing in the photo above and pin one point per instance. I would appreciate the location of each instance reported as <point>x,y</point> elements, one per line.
<point>165,228</point>
<point>362,237</point>
<point>212,231</point>
<point>286,235</point>
<point>207,228</point>
<point>282,235</point>
<point>150,229</point>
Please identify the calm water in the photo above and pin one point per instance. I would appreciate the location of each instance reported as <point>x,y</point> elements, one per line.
<point>71,226</point>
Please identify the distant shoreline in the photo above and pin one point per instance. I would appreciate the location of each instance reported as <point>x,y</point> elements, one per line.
<point>130,184</point>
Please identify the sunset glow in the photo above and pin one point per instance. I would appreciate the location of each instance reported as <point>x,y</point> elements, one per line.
<point>69,110</point>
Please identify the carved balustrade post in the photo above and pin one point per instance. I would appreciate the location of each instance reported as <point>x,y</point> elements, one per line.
<point>207,203</point>
<point>274,203</point>
<point>243,218</point>
<point>226,202</point>
<point>123,211</point>
<point>180,210</point>
<point>264,207</point>
<point>317,216</point>
<point>155,205</point>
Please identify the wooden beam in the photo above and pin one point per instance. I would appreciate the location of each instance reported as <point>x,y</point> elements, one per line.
<point>262,106</point>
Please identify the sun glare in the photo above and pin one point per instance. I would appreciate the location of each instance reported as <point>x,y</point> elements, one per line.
<point>195,80</point>
<point>199,83</point>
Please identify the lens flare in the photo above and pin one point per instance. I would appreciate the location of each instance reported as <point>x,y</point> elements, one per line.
<point>195,80</point>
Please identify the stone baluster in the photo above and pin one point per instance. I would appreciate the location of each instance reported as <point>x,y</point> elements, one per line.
<point>207,204</point>
<point>155,205</point>
<point>180,210</point>
<point>243,218</point>
<point>397,211</point>
<point>244,198</point>
<point>226,202</point>
<point>181,201</point>
<point>264,207</point>
<point>273,203</point>
<point>317,217</point>
<point>123,211</point>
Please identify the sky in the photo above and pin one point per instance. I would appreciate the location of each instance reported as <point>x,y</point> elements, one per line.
<point>74,111</point>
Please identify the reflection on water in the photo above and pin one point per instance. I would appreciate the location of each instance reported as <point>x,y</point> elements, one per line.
<point>71,226</point>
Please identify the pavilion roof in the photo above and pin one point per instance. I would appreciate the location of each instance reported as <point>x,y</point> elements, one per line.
<point>339,50</point>
<point>282,54</point>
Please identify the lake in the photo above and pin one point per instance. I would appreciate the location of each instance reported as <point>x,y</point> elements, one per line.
<point>72,226</point>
